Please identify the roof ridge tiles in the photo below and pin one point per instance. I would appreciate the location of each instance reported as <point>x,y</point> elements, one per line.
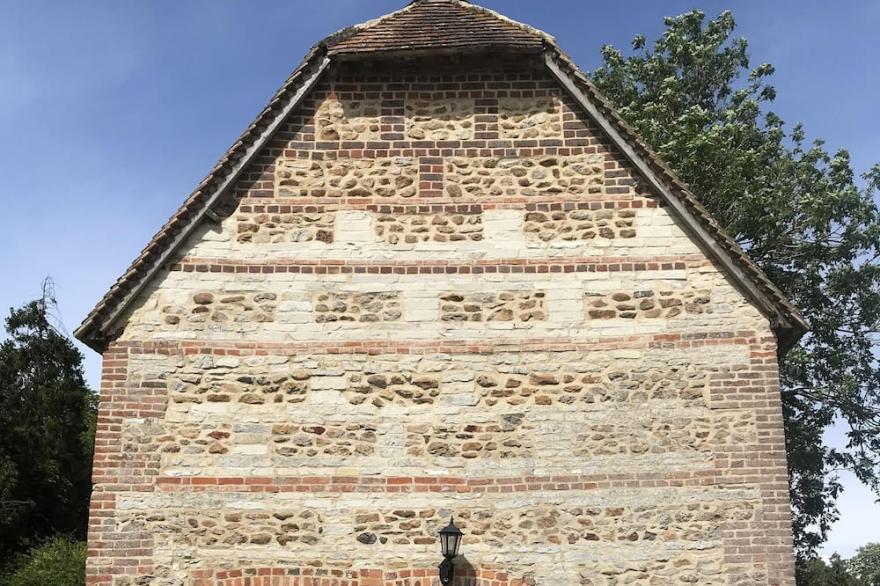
<point>424,25</point>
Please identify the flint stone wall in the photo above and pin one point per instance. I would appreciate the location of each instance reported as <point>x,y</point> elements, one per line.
<point>440,293</point>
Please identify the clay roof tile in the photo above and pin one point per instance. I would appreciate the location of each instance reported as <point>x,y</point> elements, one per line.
<point>436,25</point>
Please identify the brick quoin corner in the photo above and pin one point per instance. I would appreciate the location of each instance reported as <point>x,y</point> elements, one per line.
<point>439,276</point>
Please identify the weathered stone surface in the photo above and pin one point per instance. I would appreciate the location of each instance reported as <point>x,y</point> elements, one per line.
<point>647,303</point>
<point>507,437</point>
<point>386,177</point>
<point>580,224</point>
<point>381,389</point>
<point>357,307</point>
<point>550,525</point>
<point>439,119</point>
<point>341,440</point>
<point>293,227</point>
<point>694,567</point>
<point>208,309</point>
<point>656,434</point>
<point>348,120</point>
<point>611,385</point>
<point>440,227</point>
<point>519,306</point>
<point>230,528</point>
<point>240,385</point>
<point>523,176</point>
<point>157,437</point>
<point>185,442</point>
<point>531,118</point>
<point>593,400</point>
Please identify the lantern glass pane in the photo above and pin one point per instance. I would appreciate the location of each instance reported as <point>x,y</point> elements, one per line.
<point>445,544</point>
<point>450,539</point>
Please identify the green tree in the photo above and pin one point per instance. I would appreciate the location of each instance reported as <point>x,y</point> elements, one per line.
<point>865,565</point>
<point>802,215</point>
<point>57,562</point>
<point>815,572</point>
<point>47,416</point>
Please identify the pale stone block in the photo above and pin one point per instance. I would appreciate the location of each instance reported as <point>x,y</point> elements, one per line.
<point>353,227</point>
<point>503,226</point>
<point>320,383</point>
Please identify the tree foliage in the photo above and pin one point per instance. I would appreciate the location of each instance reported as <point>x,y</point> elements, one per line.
<point>815,572</point>
<point>802,215</point>
<point>47,416</point>
<point>865,565</point>
<point>57,562</point>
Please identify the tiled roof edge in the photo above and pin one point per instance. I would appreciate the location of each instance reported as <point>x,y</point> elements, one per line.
<point>791,324</point>
<point>92,331</point>
<point>353,30</point>
<point>528,28</point>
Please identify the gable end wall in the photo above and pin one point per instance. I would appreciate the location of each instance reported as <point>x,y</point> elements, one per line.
<point>434,294</point>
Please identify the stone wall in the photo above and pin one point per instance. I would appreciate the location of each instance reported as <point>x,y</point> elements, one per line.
<point>523,176</point>
<point>280,227</point>
<point>412,228</point>
<point>205,308</point>
<point>441,293</point>
<point>504,438</point>
<point>350,119</point>
<point>582,222</point>
<point>434,299</point>
<point>351,177</point>
<point>648,304</point>
<point>430,118</point>
<point>381,306</point>
<point>546,525</point>
<point>520,306</point>
<point>524,118</point>
<point>231,527</point>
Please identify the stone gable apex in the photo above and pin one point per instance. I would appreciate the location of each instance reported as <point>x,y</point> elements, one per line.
<point>404,31</point>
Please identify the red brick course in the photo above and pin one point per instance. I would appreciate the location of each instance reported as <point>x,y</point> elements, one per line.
<point>441,267</point>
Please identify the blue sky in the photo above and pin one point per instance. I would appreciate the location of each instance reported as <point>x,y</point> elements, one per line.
<point>112,111</point>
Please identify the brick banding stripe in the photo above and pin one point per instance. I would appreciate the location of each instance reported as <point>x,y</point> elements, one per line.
<point>273,208</point>
<point>428,151</point>
<point>426,209</point>
<point>415,484</point>
<point>666,341</point>
<point>330,576</point>
<point>288,206</point>
<point>604,204</point>
<point>442,267</point>
<point>507,202</point>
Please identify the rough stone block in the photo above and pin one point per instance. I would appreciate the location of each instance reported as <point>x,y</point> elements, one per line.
<point>529,118</point>
<point>348,120</point>
<point>386,177</point>
<point>439,119</point>
<point>477,178</point>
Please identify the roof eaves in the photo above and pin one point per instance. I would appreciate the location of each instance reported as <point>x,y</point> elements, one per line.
<point>94,329</point>
<point>784,316</point>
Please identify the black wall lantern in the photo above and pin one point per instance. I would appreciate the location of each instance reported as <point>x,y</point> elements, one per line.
<point>450,540</point>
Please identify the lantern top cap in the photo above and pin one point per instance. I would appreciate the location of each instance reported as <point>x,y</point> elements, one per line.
<point>451,529</point>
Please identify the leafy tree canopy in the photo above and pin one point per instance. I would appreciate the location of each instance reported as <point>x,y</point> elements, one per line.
<point>57,562</point>
<point>800,212</point>
<point>865,565</point>
<point>47,416</point>
<point>815,572</point>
